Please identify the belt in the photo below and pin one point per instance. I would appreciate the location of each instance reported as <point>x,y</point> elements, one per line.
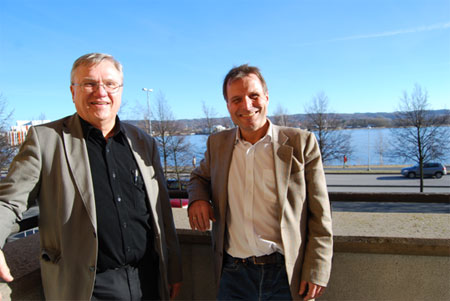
<point>125,266</point>
<point>261,260</point>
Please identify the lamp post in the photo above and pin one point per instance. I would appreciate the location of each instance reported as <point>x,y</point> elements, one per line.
<point>148,109</point>
<point>368,147</point>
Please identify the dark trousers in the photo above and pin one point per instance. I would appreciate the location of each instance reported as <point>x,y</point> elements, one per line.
<point>127,283</point>
<point>245,280</point>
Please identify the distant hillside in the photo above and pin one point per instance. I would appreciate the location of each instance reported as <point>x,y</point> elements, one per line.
<point>379,119</point>
<point>354,120</point>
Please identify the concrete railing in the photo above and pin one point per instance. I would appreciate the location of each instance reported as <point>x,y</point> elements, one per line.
<point>378,256</point>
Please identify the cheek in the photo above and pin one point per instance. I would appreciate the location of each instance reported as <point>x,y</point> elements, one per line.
<point>117,100</point>
<point>262,103</point>
<point>229,108</point>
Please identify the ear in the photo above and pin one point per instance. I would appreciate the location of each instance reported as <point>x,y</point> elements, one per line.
<point>72,91</point>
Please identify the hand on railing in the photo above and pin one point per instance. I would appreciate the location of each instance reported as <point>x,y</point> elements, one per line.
<point>5,274</point>
<point>200,212</point>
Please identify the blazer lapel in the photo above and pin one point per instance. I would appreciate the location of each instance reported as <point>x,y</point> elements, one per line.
<point>138,150</point>
<point>225,149</point>
<point>283,161</point>
<point>78,161</point>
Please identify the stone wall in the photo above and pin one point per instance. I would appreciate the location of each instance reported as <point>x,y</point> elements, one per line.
<point>378,256</point>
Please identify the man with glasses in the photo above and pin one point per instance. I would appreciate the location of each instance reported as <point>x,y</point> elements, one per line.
<point>272,235</point>
<point>106,226</point>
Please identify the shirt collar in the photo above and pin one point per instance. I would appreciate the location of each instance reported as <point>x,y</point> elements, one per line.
<point>267,137</point>
<point>89,128</point>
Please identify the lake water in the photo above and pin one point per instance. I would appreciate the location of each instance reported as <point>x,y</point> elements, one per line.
<point>365,143</point>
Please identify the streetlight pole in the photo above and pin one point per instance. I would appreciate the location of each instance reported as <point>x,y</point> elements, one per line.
<point>368,147</point>
<point>148,109</point>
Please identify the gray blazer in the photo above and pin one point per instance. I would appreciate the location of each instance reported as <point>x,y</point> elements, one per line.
<point>302,193</point>
<point>52,166</point>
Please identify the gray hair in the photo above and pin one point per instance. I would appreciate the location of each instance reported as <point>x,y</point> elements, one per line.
<point>94,59</point>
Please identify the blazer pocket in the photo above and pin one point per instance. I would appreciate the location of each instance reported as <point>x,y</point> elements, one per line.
<point>50,256</point>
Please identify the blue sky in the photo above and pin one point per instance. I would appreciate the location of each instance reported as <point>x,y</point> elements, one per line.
<point>362,54</point>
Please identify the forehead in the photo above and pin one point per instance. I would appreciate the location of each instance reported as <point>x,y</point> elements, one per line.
<point>103,69</point>
<point>248,82</point>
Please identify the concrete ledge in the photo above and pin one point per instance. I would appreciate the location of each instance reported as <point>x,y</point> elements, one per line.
<point>392,245</point>
<point>22,257</point>
<point>378,256</point>
<point>194,237</point>
<point>358,232</point>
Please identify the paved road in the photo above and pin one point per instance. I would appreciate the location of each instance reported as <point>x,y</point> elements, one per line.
<point>391,207</point>
<point>384,183</point>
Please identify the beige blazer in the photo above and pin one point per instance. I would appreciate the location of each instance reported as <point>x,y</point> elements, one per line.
<point>302,193</point>
<point>52,166</point>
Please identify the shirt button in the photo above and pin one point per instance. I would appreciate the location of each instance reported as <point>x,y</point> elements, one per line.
<point>124,224</point>
<point>107,149</point>
<point>114,175</point>
<point>128,249</point>
<point>119,199</point>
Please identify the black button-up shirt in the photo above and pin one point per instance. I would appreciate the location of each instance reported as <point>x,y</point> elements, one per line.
<point>123,217</point>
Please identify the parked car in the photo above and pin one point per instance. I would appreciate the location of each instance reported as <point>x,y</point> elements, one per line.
<point>172,184</point>
<point>179,203</point>
<point>430,169</point>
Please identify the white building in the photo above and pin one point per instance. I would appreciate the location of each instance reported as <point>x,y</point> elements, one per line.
<point>219,128</point>
<point>18,133</point>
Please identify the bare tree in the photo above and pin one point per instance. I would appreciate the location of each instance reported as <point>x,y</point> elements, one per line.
<point>6,150</point>
<point>334,143</point>
<point>280,116</point>
<point>180,150</point>
<point>209,113</point>
<point>420,136</point>
<point>380,146</point>
<point>173,147</point>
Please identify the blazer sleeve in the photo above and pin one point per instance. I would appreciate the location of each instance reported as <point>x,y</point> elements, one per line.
<point>199,187</point>
<point>319,247</point>
<point>21,185</point>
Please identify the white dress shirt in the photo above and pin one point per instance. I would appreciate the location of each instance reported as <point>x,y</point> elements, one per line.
<point>253,227</point>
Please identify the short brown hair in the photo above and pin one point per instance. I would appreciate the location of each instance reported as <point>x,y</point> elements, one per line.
<point>240,72</point>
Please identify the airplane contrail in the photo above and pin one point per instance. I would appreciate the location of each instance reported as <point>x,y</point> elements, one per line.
<point>439,26</point>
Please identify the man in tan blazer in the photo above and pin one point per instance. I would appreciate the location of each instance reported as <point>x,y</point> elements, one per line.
<point>263,186</point>
<point>106,226</point>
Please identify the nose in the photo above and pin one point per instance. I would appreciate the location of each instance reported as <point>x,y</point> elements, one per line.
<point>247,103</point>
<point>101,90</point>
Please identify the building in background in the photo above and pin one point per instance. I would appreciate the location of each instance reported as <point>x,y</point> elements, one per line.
<point>18,133</point>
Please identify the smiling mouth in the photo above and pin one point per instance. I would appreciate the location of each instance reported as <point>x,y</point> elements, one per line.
<point>99,103</point>
<point>249,114</point>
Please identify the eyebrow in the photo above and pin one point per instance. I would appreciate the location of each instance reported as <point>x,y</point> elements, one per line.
<point>89,78</point>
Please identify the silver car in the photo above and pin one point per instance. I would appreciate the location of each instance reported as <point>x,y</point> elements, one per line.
<point>430,169</point>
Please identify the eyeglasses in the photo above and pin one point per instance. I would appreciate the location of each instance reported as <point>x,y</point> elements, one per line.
<point>110,87</point>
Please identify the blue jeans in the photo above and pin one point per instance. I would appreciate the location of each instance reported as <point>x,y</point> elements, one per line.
<point>249,281</point>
